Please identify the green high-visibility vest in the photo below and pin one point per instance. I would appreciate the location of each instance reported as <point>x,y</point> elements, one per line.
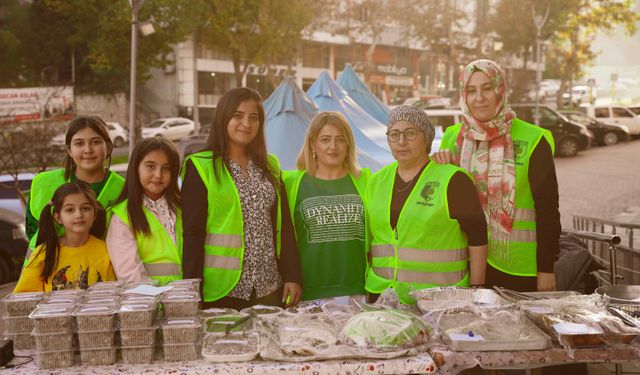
<point>292,180</point>
<point>224,242</point>
<point>519,256</point>
<point>46,183</point>
<point>427,247</point>
<point>161,257</point>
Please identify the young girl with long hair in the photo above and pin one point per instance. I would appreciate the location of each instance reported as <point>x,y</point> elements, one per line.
<point>77,258</point>
<point>88,146</point>
<point>238,235</point>
<point>145,231</point>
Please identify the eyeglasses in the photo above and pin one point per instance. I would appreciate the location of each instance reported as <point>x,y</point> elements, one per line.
<point>409,134</point>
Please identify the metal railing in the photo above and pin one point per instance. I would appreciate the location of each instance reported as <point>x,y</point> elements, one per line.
<point>592,224</point>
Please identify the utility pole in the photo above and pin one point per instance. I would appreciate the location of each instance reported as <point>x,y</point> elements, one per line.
<point>135,9</point>
<point>538,21</point>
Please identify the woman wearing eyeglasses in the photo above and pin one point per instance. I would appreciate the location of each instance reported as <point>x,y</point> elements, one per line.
<point>426,222</point>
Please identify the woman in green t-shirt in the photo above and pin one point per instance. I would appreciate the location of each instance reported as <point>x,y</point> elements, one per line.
<point>325,199</point>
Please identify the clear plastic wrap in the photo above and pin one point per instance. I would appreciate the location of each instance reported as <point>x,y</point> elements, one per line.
<point>449,298</point>
<point>579,321</point>
<point>384,329</point>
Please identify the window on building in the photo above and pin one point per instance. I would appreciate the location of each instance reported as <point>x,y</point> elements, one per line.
<point>212,85</point>
<point>315,55</point>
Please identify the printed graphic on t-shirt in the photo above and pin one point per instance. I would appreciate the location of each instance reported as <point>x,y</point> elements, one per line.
<point>60,279</point>
<point>333,218</point>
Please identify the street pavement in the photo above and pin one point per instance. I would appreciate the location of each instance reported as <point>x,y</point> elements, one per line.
<point>601,182</point>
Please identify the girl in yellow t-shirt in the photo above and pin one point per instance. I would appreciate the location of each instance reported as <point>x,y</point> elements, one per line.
<point>76,259</point>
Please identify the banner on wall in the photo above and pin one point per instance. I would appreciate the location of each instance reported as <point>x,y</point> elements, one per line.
<point>36,104</point>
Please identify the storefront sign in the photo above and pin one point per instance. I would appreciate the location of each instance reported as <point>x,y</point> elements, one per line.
<point>261,70</point>
<point>36,103</point>
<point>392,69</point>
<point>398,81</point>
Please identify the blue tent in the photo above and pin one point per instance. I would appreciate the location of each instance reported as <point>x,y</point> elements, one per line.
<point>359,92</point>
<point>369,133</point>
<point>288,112</point>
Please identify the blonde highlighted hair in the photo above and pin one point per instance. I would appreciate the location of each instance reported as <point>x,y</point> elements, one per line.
<point>307,163</point>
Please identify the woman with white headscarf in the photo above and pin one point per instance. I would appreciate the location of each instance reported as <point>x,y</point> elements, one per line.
<point>511,162</point>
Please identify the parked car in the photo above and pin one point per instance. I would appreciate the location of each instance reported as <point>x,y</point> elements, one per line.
<point>613,114</point>
<point>171,128</point>
<point>569,137</point>
<point>442,119</point>
<point>193,143</point>
<point>9,196</point>
<point>580,94</point>
<point>548,88</point>
<point>13,245</point>
<point>604,134</point>
<point>635,109</point>
<point>117,134</point>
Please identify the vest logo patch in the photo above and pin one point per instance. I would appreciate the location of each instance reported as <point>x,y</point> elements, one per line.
<point>429,190</point>
<point>520,149</point>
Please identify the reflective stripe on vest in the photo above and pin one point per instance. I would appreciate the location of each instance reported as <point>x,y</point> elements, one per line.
<point>427,248</point>
<point>224,241</point>
<point>519,258</point>
<point>160,256</point>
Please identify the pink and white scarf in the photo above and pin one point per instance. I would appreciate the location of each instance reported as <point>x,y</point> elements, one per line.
<point>485,149</point>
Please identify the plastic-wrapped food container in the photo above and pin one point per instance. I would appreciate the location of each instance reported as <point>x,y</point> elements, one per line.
<point>23,341</point>
<point>54,359</point>
<point>230,348</point>
<point>106,285</point>
<point>215,311</point>
<point>180,352</point>
<point>52,319</point>
<point>135,298</point>
<point>194,284</point>
<point>216,325</point>
<point>178,305</point>
<point>96,339</point>
<point>264,311</point>
<point>95,317</point>
<point>102,300</point>
<point>21,304</point>
<point>60,300</point>
<point>98,356</point>
<point>304,310</point>
<point>17,324</point>
<point>132,355</point>
<point>66,292</point>
<point>53,341</point>
<point>134,284</point>
<point>181,330</point>
<point>103,293</point>
<point>138,336</point>
<point>341,312</point>
<point>137,315</point>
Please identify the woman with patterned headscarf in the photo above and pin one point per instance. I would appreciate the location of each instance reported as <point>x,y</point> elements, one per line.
<point>511,162</point>
<point>425,219</point>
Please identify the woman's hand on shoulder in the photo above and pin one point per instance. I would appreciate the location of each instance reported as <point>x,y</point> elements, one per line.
<point>291,294</point>
<point>443,157</point>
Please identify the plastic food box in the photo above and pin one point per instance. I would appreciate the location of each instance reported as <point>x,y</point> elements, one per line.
<point>339,311</point>
<point>136,298</point>
<point>137,354</point>
<point>304,310</point>
<point>53,319</point>
<point>21,304</point>
<point>180,352</point>
<point>17,324</point>
<point>178,305</point>
<point>264,311</point>
<point>214,311</point>
<point>101,300</point>
<point>230,348</point>
<point>95,317</point>
<point>60,300</point>
<point>54,359</point>
<point>53,341</point>
<point>98,356</point>
<point>138,336</point>
<point>216,325</point>
<point>194,284</point>
<point>23,341</point>
<point>65,293</point>
<point>456,298</point>
<point>137,315</point>
<point>181,330</point>
<point>96,339</point>
<point>106,285</point>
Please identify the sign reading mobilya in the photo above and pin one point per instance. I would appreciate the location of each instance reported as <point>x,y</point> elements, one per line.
<point>36,104</point>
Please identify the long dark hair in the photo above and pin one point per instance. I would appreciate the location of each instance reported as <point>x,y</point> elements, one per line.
<point>133,191</point>
<point>218,141</point>
<point>96,124</point>
<point>47,227</point>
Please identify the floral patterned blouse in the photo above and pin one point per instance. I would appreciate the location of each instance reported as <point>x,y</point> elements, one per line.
<point>259,267</point>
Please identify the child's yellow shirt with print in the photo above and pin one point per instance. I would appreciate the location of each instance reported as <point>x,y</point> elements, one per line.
<point>78,267</point>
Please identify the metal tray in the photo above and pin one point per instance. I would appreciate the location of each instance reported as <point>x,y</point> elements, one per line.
<point>624,297</point>
<point>526,335</point>
<point>447,298</point>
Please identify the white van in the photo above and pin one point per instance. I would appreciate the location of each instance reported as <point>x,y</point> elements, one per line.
<point>442,119</point>
<point>617,115</point>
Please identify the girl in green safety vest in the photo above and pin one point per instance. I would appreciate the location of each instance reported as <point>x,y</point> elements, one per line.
<point>145,231</point>
<point>326,202</point>
<point>88,147</point>
<point>511,162</point>
<point>427,225</point>
<point>238,235</point>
